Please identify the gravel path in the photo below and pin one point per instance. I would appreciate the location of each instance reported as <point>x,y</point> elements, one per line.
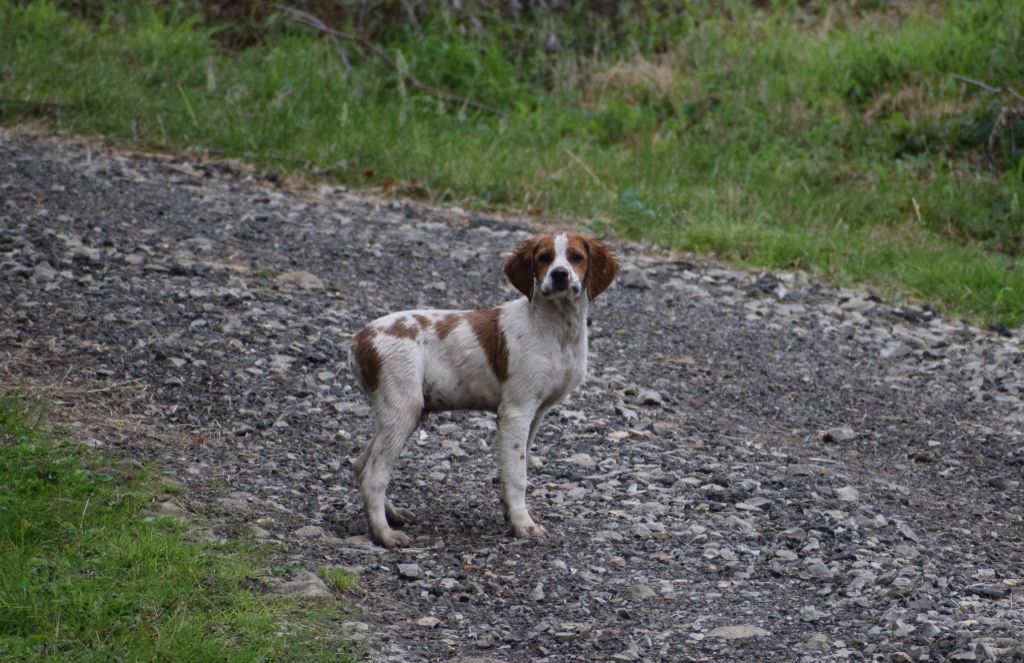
<point>760,467</point>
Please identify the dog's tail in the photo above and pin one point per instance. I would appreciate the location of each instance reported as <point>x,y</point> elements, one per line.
<point>363,361</point>
<point>353,364</point>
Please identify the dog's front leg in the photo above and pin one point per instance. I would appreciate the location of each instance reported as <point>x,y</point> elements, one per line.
<point>513,433</point>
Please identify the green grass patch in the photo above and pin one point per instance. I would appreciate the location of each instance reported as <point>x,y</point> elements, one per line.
<point>843,138</point>
<point>86,576</point>
<point>339,577</point>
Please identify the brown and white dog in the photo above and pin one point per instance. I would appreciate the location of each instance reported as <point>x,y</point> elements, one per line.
<point>518,360</point>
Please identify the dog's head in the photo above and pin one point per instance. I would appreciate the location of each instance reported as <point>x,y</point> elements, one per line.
<point>561,265</point>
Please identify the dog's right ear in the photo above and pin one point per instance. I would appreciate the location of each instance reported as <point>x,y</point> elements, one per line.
<point>519,268</point>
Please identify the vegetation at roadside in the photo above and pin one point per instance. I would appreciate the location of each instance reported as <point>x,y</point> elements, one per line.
<point>339,577</point>
<point>85,575</point>
<point>872,142</point>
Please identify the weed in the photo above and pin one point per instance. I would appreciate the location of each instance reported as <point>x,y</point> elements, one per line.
<point>262,272</point>
<point>339,577</point>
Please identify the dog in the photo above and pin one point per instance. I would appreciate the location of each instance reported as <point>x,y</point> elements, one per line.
<point>518,360</point>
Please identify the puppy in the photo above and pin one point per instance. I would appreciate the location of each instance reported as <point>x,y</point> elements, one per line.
<point>518,360</point>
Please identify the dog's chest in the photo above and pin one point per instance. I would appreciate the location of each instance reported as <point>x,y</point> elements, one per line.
<point>564,367</point>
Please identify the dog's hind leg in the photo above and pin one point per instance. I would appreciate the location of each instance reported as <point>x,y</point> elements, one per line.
<point>396,516</point>
<point>373,471</point>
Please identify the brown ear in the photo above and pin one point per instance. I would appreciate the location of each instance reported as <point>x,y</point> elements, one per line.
<point>603,268</point>
<point>519,268</point>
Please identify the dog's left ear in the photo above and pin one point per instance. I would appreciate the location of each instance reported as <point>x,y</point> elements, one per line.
<point>603,267</point>
<point>519,268</point>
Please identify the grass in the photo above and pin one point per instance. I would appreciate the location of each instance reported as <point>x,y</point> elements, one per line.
<point>339,577</point>
<point>840,138</point>
<point>86,576</point>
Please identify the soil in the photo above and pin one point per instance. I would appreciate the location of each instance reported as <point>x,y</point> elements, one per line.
<point>761,466</point>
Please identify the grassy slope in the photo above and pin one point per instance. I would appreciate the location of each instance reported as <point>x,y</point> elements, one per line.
<point>845,146</point>
<point>85,577</point>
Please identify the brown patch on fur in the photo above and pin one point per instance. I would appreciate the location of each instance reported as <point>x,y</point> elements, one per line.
<point>529,263</point>
<point>577,246</point>
<point>602,269</point>
<point>445,325</point>
<point>367,357</point>
<point>422,320</point>
<point>401,330</point>
<point>543,256</point>
<point>488,332</point>
<point>519,267</point>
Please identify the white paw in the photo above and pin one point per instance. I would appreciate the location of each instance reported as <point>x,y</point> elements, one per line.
<point>527,529</point>
<point>390,538</point>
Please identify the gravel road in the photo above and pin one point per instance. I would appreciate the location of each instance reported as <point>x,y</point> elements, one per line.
<point>760,467</point>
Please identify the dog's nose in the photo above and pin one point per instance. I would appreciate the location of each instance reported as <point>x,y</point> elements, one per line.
<point>560,277</point>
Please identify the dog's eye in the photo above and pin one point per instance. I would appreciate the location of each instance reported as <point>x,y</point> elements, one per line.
<point>575,257</point>
<point>545,258</point>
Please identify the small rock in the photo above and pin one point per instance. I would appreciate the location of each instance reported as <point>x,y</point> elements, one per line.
<point>429,622</point>
<point>753,504</point>
<point>305,585</point>
<point>43,272</point>
<point>738,632</point>
<point>174,362</point>
<point>905,530</point>
<point>171,509</point>
<point>901,629</point>
<point>280,363</point>
<point>809,613</point>
<point>355,627</point>
<point>309,532</point>
<point>847,494</point>
<point>925,456</point>
<point>819,571</point>
<point>650,397</point>
<point>991,591</point>
<point>410,571</point>
<point>817,642</point>
<point>626,413</point>
<point>258,532</point>
<point>639,592</point>
<point>895,350</point>
<point>1000,483</point>
<point>237,501</point>
<point>304,280</point>
<point>634,277</point>
<point>838,434</point>
<point>794,534</point>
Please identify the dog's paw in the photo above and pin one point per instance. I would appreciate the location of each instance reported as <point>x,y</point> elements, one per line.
<point>398,516</point>
<point>529,530</point>
<point>391,539</point>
